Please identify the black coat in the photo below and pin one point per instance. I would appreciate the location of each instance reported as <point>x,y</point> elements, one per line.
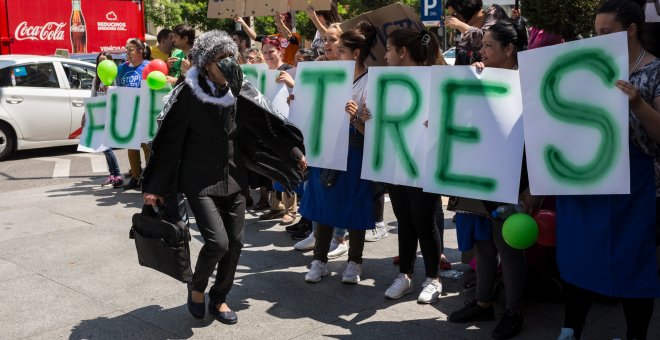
<point>206,142</point>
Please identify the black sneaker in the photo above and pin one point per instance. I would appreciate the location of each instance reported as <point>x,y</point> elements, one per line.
<point>134,183</point>
<point>509,326</point>
<point>472,312</point>
<point>294,227</point>
<point>303,230</point>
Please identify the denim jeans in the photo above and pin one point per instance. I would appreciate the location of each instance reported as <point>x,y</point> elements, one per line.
<point>113,166</point>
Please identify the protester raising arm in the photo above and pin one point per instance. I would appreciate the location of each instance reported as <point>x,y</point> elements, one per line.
<point>250,32</point>
<point>281,27</point>
<point>311,13</point>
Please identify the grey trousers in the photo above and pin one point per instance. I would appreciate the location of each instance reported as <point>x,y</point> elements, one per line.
<point>513,268</point>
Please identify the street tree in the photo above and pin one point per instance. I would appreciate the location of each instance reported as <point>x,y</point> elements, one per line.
<point>569,18</point>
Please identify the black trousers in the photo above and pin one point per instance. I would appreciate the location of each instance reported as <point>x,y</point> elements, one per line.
<point>637,312</point>
<point>220,221</point>
<point>440,222</point>
<point>323,234</point>
<point>415,213</point>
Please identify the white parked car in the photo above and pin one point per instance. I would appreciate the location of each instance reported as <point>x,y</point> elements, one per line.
<point>41,101</point>
<point>450,56</point>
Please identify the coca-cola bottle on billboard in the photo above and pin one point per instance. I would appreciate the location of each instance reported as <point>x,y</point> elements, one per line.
<point>78,29</point>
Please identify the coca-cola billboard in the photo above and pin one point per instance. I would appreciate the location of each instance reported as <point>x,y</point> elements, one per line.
<point>75,25</point>
<point>48,31</point>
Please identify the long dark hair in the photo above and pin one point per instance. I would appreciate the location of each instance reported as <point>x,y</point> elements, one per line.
<point>362,37</point>
<point>97,80</point>
<point>422,46</point>
<point>505,32</point>
<point>465,8</point>
<point>332,15</point>
<point>627,12</point>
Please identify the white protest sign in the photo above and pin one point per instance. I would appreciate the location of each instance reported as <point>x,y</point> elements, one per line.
<point>395,136</point>
<point>475,133</point>
<point>576,120</point>
<point>92,136</point>
<point>151,104</point>
<point>276,93</point>
<point>123,117</point>
<point>318,110</point>
<point>254,74</point>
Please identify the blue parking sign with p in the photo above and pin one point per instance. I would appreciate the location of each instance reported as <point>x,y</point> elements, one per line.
<point>431,12</point>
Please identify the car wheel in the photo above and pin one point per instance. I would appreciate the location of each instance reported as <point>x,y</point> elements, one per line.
<point>7,141</point>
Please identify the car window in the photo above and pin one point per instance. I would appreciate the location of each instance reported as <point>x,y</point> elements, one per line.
<point>30,75</point>
<point>79,77</point>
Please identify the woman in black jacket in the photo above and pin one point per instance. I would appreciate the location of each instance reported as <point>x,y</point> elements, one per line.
<point>214,124</point>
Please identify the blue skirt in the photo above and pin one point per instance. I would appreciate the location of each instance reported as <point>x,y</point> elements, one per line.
<point>348,204</point>
<point>470,228</point>
<point>606,243</point>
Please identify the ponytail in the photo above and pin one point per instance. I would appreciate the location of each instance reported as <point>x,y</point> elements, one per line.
<point>362,37</point>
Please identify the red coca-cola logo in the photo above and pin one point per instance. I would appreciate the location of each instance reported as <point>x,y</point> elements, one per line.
<point>49,31</point>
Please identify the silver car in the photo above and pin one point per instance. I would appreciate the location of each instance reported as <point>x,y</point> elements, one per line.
<point>41,101</point>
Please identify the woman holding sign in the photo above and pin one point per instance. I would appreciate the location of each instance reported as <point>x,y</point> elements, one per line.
<point>130,75</point>
<point>606,243</point>
<point>273,48</point>
<point>414,209</point>
<point>340,198</point>
<point>500,45</point>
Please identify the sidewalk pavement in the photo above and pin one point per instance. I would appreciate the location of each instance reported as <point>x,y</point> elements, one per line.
<point>69,270</point>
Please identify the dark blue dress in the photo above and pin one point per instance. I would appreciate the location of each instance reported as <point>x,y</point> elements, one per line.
<point>348,204</point>
<point>606,243</point>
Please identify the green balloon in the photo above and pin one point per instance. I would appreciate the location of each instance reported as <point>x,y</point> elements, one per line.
<point>520,231</point>
<point>107,71</point>
<point>156,80</point>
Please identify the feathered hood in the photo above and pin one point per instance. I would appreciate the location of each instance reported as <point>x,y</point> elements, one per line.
<point>194,79</point>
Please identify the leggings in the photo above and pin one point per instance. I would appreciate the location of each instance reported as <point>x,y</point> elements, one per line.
<point>323,234</point>
<point>415,212</point>
<point>637,312</point>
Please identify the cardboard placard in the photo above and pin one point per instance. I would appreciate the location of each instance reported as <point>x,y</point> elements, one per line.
<point>261,8</point>
<point>386,20</point>
<point>301,5</point>
<point>220,9</point>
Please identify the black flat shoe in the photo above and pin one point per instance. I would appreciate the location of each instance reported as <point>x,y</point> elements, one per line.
<point>195,308</point>
<point>228,318</point>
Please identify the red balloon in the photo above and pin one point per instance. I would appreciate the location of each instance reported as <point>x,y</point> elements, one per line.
<point>158,65</point>
<point>146,70</point>
<point>547,231</point>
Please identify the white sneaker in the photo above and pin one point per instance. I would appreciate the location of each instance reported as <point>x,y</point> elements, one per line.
<point>317,270</point>
<point>566,334</point>
<point>306,244</point>
<point>352,273</point>
<point>340,250</point>
<point>401,286</point>
<point>376,234</point>
<point>431,291</point>
<point>333,244</point>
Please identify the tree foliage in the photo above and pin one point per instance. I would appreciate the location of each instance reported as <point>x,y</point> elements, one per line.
<point>566,17</point>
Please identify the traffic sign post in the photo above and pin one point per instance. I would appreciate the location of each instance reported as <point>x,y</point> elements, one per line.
<point>431,12</point>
